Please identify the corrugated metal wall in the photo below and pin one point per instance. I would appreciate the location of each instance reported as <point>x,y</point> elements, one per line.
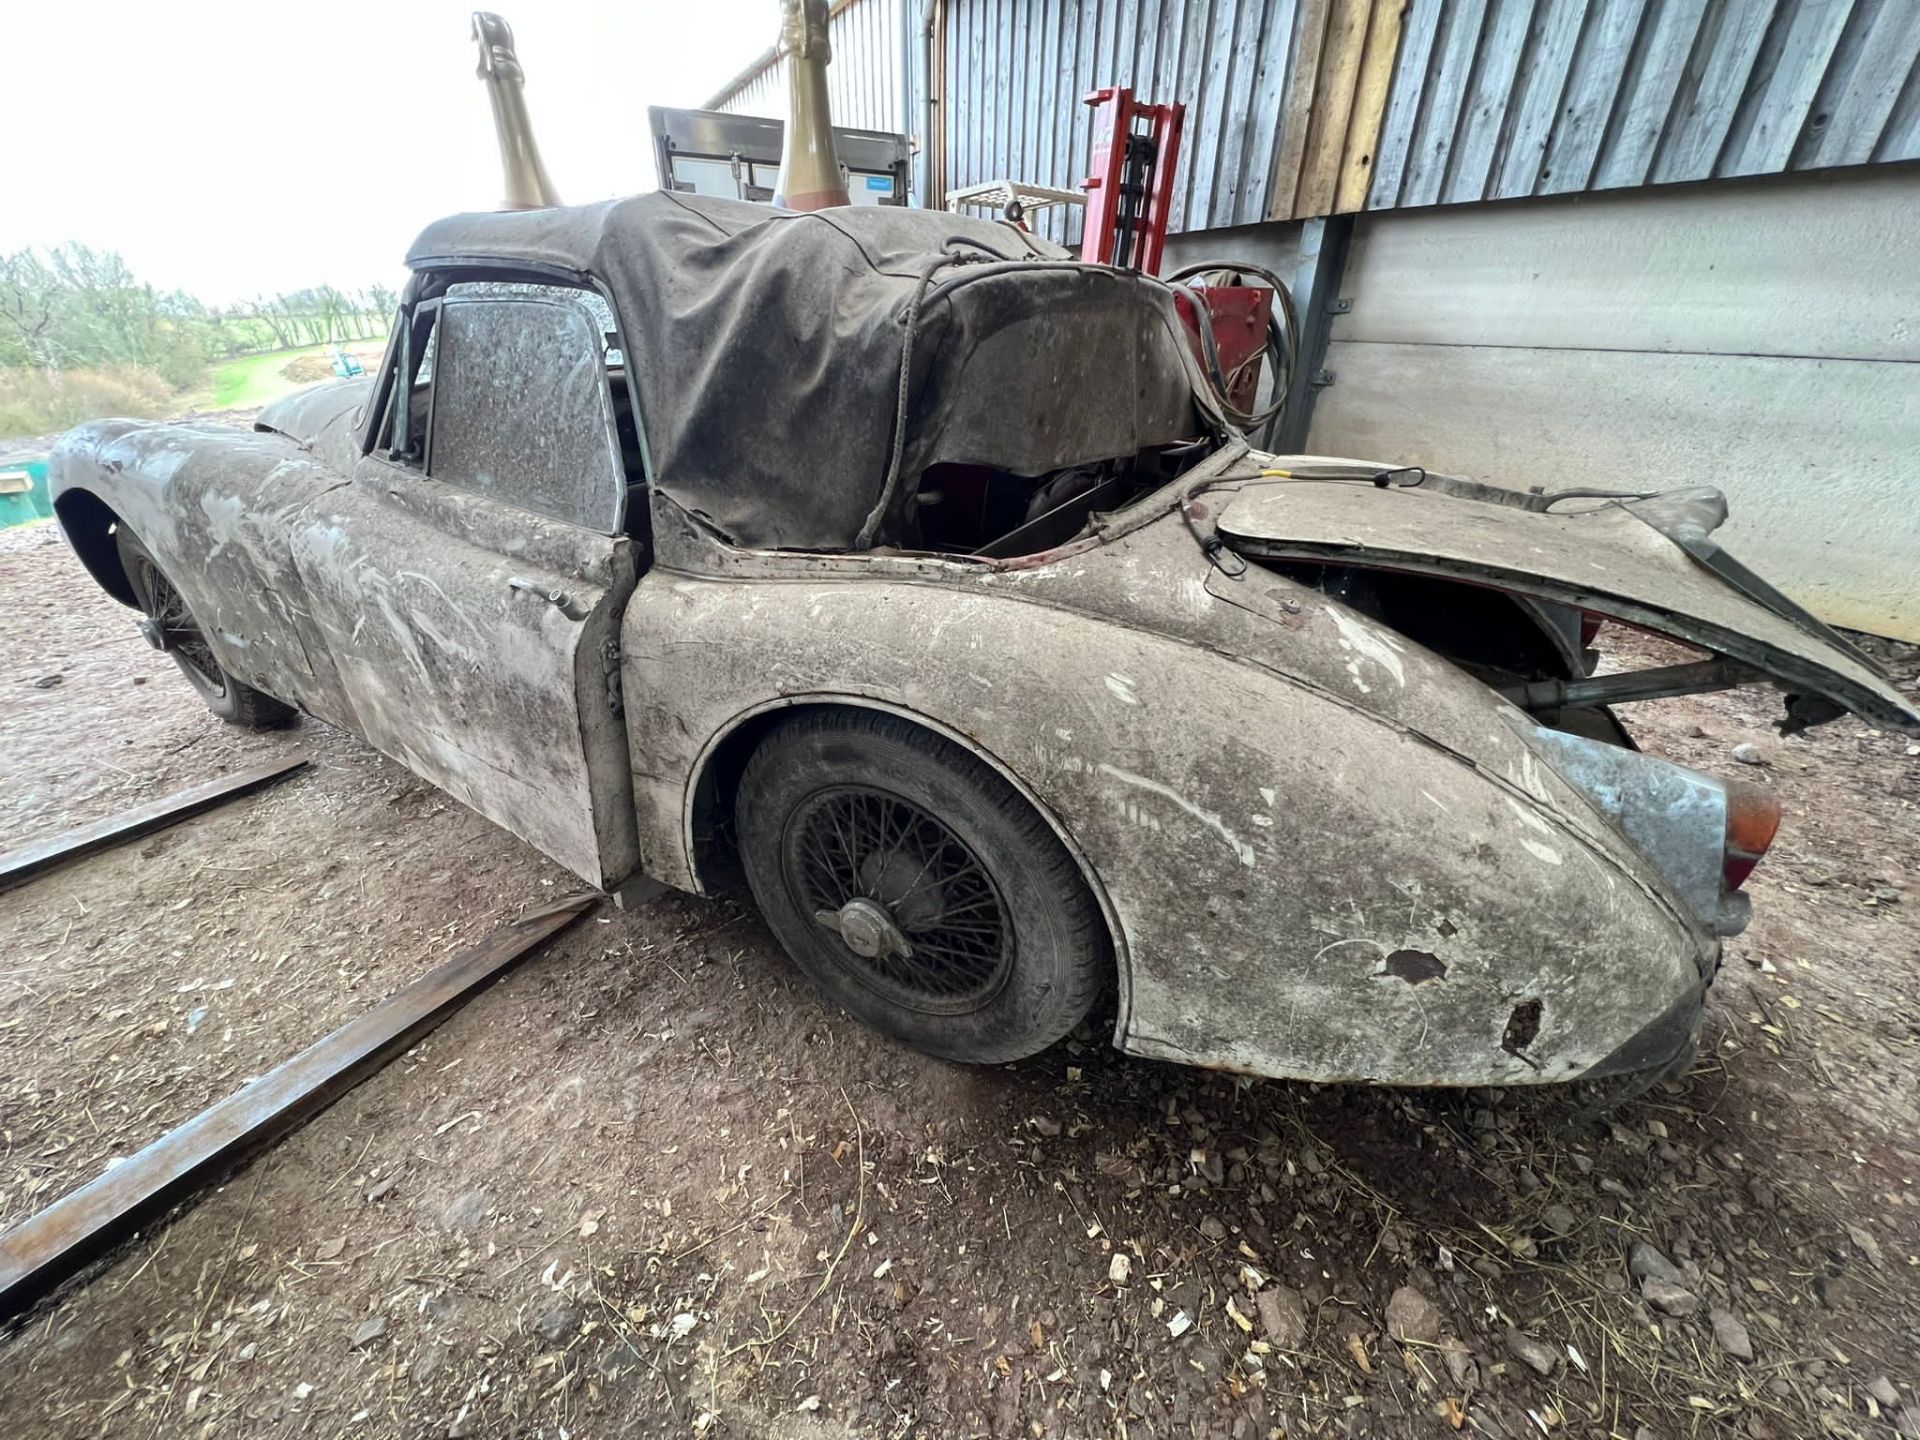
<point>1015,72</point>
<point>1499,98</point>
<point>864,82</point>
<point>1488,98</point>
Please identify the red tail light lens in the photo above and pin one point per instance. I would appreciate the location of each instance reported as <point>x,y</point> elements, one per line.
<point>1753,819</point>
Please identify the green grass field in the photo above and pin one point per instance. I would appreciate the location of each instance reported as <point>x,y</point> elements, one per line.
<point>257,379</point>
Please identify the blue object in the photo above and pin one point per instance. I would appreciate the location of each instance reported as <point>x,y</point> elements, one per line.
<point>23,490</point>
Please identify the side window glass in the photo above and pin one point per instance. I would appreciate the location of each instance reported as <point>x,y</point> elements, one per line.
<point>521,408</point>
<point>423,374</point>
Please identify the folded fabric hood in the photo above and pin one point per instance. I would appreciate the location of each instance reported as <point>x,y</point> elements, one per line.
<point>765,349</point>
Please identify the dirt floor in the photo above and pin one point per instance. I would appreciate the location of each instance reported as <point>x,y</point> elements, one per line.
<point>647,1185</point>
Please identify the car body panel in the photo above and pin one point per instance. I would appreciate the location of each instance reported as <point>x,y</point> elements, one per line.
<point>1627,559</point>
<point>217,507</point>
<point>385,602</point>
<point>457,664</point>
<point>1303,886</point>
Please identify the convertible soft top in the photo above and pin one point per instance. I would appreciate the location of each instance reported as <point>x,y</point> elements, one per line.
<point>766,351</point>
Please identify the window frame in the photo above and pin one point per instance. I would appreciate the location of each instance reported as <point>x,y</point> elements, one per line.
<point>608,420</point>
<point>426,292</point>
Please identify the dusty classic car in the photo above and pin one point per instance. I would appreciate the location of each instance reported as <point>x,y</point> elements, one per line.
<point>900,565</point>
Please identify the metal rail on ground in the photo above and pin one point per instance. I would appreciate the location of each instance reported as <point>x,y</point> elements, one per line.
<point>45,1249</point>
<point>19,866</point>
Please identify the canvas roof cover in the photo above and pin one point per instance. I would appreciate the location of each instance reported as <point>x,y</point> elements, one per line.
<point>765,350</point>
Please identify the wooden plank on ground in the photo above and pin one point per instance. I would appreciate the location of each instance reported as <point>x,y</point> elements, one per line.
<point>1369,111</point>
<point>19,866</point>
<point>44,1249</point>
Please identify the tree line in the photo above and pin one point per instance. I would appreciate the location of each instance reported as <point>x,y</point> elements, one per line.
<point>77,308</point>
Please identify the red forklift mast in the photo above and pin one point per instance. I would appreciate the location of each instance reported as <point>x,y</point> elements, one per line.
<point>1136,150</point>
<point>1136,157</point>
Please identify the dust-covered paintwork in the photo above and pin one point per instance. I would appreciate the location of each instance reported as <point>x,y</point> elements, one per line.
<point>1323,850</point>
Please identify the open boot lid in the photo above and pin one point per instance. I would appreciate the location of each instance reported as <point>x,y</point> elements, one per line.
<point>1647,560</point>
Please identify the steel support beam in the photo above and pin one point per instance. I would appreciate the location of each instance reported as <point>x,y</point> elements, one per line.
<point>19,866</point>
<point>1324,242</point>
<point>45,1249</point>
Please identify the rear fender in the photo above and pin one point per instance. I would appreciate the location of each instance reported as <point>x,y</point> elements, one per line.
<point>1301,887</point>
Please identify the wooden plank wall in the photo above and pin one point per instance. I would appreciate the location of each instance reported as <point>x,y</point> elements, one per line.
<point>1298,108</point>
<point>1336,104</point>
<point>1497,99</point>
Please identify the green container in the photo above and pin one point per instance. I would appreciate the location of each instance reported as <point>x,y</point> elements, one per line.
<point>23,490</point>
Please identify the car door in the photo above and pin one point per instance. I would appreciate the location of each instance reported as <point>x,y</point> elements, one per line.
<point>470,579</point>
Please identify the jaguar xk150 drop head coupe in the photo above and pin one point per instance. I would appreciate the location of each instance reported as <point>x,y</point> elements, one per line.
<point>901,566</point>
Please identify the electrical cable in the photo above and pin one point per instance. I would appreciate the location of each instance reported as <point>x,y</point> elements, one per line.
<point>1281,349</point>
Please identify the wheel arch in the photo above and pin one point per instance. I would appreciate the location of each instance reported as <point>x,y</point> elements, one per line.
<point>716,772</point>
<point>88,523</point>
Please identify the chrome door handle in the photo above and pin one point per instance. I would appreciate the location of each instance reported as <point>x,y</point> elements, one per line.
<point>561,600</point>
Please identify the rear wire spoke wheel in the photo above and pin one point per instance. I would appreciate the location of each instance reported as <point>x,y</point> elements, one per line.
<point>917,888</point>
<point>169,624</point>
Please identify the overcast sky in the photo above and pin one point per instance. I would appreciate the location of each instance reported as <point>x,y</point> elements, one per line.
<point>239,149</point>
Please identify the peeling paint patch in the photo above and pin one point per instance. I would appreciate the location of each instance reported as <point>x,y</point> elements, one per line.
<point>1527,816</point>
<point>1241,849</point>
<point>1538,851</point>
<point>225,515</point>
<point>1367,642</point>
<point>1523,1027</point>
<point>1414,966</point>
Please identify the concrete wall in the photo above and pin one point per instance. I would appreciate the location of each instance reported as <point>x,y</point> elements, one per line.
<point>1762,336</point>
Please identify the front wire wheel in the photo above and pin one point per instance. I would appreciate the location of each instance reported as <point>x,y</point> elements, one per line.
<point>917,888</point>
<point>169,625</point>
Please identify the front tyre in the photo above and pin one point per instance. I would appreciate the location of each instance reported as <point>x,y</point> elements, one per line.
<point>171,626</point>
<point>917,888</point>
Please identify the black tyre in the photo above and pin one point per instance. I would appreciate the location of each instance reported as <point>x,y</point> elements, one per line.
<point>917,888</point>
<point>170,622</point>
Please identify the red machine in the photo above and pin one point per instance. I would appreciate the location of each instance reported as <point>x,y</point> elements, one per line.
<point>1136,155</point>
<point>1136,149</point>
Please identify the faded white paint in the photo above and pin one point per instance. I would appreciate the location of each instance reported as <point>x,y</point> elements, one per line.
<point>1366,641</point>
<point>1241,849</point>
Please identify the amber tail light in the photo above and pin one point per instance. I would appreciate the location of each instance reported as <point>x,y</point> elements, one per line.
<point>1753,819</point>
